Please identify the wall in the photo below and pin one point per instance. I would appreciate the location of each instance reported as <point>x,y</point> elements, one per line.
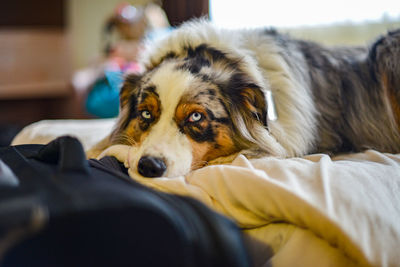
<point>85,23</point>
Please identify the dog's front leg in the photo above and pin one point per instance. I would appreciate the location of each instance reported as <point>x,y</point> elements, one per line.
<point>120,152</point>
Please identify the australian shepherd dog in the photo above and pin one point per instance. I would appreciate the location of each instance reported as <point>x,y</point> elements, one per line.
<point>208,94</point>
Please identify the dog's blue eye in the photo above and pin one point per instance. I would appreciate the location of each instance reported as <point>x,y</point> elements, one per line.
<point>146,115</point>
<point>195,116</point>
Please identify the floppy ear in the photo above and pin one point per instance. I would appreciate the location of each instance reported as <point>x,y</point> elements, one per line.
<point>253,100</point>
<point>129,88</point>
<point>248,98</point>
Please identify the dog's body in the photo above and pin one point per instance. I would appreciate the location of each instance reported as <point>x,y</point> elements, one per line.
<point>205,95</point>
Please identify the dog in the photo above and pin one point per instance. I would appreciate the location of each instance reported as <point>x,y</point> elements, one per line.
<point>208,94</point>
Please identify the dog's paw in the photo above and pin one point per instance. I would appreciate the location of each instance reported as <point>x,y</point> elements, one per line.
<point>121,152</point>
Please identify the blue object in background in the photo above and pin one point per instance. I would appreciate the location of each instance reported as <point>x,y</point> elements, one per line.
<point>103,99</point>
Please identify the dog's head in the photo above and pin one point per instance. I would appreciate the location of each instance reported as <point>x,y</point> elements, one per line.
<point>189,109</point>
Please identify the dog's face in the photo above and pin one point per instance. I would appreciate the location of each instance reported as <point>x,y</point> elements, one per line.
<point>187,111</point>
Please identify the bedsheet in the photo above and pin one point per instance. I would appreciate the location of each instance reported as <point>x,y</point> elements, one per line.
<point>311,211</point>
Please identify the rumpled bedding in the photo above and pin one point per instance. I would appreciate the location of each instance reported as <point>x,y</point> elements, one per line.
<point>312,211</point>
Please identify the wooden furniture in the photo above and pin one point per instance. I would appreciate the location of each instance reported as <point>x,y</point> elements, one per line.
<point>35,71</point>
<point>33,63</point>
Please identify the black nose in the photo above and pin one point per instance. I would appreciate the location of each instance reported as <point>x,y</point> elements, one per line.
<point>151,166</point>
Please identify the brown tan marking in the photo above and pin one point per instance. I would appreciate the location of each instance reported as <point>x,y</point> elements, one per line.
<point>184,110</point>
<point>207,151</point>
<point>129,88</point>
<point>152,104</point>
<point>134,134</point>
<point>203,152</point>
<point>254,101</point>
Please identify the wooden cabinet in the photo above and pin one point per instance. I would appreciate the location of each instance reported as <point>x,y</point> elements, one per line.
<point>34,63</point>
<point>35,70</point>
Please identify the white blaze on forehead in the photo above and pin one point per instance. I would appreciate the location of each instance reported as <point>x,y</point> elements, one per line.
<point>170,84</point>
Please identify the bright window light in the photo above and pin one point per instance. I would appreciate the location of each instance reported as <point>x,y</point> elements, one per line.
<point>289,13</point>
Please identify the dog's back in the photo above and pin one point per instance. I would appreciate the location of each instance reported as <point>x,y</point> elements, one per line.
<point>356,105</point>
<point>328,99</point>
<point>208,89</point>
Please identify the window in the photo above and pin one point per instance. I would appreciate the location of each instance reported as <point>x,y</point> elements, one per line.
<point>339,21</point>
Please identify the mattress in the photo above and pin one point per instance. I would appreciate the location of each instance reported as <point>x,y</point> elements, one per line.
<point>316,210</point>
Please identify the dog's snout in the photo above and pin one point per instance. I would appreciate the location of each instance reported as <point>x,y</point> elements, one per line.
<point>151,166</point>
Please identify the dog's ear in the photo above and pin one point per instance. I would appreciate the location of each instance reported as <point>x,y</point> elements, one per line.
<point>249,112</point>
<point>253,100</point>
<point>129,89</point>
<point>249,96</point>
<point>128,98</point>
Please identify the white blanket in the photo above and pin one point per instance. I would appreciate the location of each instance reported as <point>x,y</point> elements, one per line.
<point>311,211</point>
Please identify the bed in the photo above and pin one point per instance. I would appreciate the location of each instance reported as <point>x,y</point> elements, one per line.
<point>311,211</point>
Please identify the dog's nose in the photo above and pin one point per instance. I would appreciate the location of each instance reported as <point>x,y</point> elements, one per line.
<point>151,166</point>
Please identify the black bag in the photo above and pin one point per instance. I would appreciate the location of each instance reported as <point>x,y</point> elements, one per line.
<point>59,209</point>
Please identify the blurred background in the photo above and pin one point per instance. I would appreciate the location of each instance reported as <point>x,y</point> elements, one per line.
<point>63,59</point>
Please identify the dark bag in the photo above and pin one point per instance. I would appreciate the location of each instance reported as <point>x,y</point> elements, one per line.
<point>59,209</point>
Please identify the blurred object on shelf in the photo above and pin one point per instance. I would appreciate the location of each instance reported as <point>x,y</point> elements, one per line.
<point>123,35</point>
<point>126,28</point>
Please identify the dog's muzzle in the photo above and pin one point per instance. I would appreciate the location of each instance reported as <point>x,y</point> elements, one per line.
<point>151,166</point>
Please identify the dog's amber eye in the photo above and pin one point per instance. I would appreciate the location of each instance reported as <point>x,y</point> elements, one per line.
<point>195,117</point>
<point>146,115</point>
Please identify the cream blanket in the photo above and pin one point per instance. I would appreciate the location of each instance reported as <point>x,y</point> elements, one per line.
<point>311,211</point>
